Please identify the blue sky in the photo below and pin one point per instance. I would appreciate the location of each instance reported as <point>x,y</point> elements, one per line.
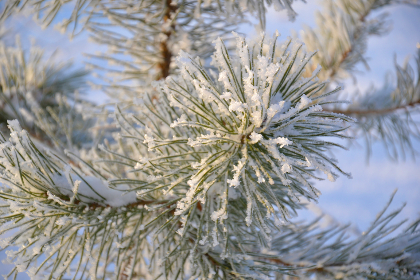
<point>357,200</point>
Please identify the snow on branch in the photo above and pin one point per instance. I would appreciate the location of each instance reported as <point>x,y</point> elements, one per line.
<point>62,215</point>
<point>28,169</point>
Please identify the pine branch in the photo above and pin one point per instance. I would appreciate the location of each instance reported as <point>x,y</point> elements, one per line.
<point>48,10</point>
<point>341,37</point>
<point>362,113</point>
<point>165,65</point>
<point>383,115</point>
<point>346,53</point>
<point>388,115</point>
<point>29,82</point>
<point>369,255</point>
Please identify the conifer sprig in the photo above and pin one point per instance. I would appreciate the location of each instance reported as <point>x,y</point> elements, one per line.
<point>256,121</point>
<point>29,81</point>
<point>341,37</point>
<point>389,114</point>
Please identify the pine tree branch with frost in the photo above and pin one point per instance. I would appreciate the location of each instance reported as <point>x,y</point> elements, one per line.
<point>341,40</point>
<point>343,28</point>
<point>202,175</point>
<point>332,253</point>
<point>147,51</point>
<point>156,31</point>
<point>389,114</point>
<point>83,11</point>
<point>261,111</point>
<point>60,212</point>
<point>30,82</point>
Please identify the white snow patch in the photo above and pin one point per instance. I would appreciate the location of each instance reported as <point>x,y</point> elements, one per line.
<point>255,137</point>
<point>90,187</point>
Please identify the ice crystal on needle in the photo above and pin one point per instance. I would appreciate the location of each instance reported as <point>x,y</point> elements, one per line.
<point>260,120</point>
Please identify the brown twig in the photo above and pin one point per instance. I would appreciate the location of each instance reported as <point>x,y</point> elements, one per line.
<point>367,112</point>
<point>165,64</point>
